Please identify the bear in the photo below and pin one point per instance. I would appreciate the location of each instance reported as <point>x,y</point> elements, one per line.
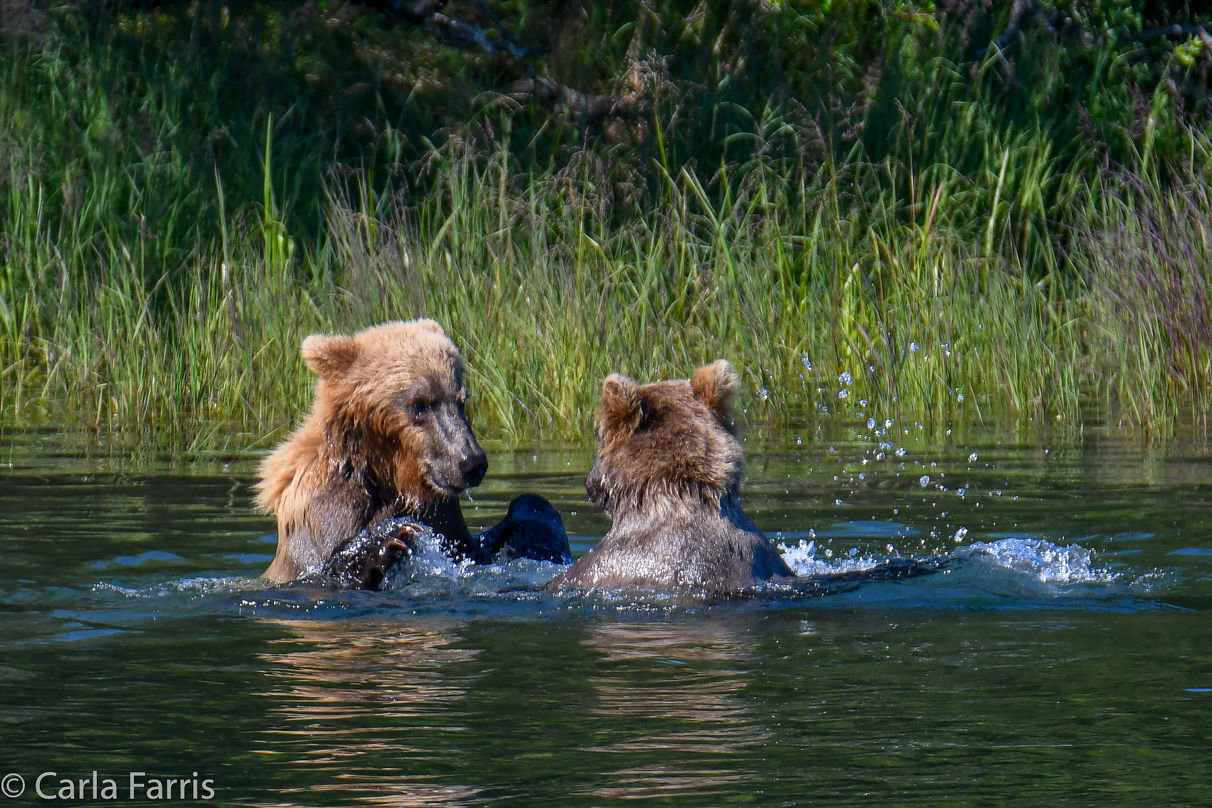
<point>668,473</point>
<point>387,438</point>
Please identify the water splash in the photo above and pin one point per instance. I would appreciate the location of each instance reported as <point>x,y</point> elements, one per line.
<point>430,581</point>
<point>1038,558</point>
<point>428,562</point>
<point>1041,559</point>
<point>802,559</point>
<point>193,587</point>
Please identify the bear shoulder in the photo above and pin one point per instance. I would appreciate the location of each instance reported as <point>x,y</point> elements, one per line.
<point>292,462</point>
<point>705,553</point>
<point>316,497</point>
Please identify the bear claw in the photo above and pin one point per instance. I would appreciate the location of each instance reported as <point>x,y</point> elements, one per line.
<point>365,560</point>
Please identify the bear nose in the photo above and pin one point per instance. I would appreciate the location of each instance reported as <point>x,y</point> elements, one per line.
<point>473,467</point>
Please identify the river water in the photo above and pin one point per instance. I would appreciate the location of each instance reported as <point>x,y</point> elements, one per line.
<point>1063,655</point>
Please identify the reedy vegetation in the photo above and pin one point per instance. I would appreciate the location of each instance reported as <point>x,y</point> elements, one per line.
<point>958,264</point>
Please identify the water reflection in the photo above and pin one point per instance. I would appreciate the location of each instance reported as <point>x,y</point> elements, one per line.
<point>354,702</point>
<point>675,692</point>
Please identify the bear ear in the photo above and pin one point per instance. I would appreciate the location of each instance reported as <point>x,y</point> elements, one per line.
<point>715,384</point>
<point>621,403</point>
<point>329,355</point>
<point>429,325</point>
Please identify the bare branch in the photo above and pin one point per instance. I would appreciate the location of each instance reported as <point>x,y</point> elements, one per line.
<point>592,109</point>
<point>1173,31</point>
<point>430,14</point>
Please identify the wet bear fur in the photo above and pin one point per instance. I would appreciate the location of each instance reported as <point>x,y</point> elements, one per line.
<point>668,472</point>
<point>387,437</point>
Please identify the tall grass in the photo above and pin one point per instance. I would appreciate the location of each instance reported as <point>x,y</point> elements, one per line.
<point>136,301</point>
<point>888,311</point>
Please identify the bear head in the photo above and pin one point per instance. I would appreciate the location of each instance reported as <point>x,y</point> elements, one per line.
<point>394,393</point>
<point>666,440</point>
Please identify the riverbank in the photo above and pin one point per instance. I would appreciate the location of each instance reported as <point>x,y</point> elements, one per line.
<point>979,272</point>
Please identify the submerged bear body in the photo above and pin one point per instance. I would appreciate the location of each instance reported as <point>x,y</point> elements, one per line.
<point>668,473</point>
<point>708,550</point>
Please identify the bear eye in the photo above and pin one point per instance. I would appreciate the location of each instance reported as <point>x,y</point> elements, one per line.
<point>421,407</point>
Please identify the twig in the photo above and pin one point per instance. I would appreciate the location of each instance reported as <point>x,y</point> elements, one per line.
<point>1173,31</point>
<point>591,108</point>
<point>430,14</point>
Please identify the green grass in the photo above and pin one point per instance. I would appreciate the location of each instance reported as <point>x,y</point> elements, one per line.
<point>975,271</point>
<point>546,298</point>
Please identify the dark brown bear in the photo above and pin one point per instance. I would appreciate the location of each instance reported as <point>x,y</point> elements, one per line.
<point>668,472</point>
<point>387,437</point>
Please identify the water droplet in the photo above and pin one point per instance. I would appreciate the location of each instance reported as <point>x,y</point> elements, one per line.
<point>972,457</point>
<point>799,441</point>
<point>843,393</point>
<point>900,452</point>
<point>807,362</point>
<point>871,423</point>
<point>913,346</point>
<point>960,534</point>
<point>887,424</point>
<point>925,480</point>
<point>960,398</point>
<point>845,378</point>
<point>765,394</point>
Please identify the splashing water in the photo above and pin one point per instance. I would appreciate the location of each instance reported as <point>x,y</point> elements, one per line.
<point>1043,560</point>
<point>1040,559</point>
<point>428,562</point>
<point>192,588</point>
<point>802,559</point>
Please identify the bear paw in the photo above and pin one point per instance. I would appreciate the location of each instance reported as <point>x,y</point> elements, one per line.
<point>364,560</point>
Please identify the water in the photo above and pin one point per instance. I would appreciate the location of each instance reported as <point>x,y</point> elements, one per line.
<point>1064,656</point>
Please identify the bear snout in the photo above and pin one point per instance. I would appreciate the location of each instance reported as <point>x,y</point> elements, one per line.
<point>595,486</point>
<point>473,466</point>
